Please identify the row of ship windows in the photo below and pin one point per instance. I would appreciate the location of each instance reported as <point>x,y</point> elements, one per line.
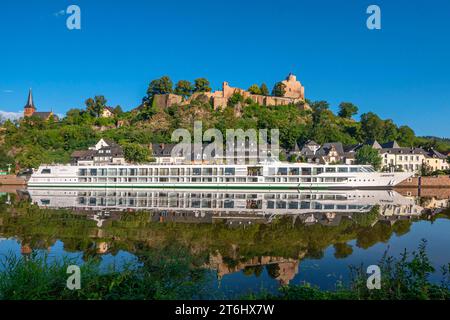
<point>227,204</point>
<point>211,179</point>
<point>213,171</point>
<point>240,196</point>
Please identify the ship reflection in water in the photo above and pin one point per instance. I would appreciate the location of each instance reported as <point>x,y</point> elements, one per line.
<point>236,210</point>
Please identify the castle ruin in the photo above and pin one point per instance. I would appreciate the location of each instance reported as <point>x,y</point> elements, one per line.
<point>294,94</point>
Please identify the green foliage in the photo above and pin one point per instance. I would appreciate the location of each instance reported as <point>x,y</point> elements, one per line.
<point>367,219</point>
<point>372,127</point>
<point>279,89</point>
<point>342,250</point>
<point>254,89</point>
<point>5,160</point>
<point>118,110</point>
<point>201,85</point>
<point>249,101</point>
<point>136,153</point>
<point>404,278</point>
<point>95,106</point>
<point>169,274</point>
<point>184,88</point>
<point>292,158</point>
<point>368,155</point>
<point>264,89</point>
<point>235,99</point>
<point>159,86</point>
<point>347,110</point>
<point>405,136</point>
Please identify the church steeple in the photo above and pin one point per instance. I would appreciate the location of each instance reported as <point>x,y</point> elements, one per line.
<point>29,108</point>
<point>30,103</point>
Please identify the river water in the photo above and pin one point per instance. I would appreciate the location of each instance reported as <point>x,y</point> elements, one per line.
<point>247,241</point>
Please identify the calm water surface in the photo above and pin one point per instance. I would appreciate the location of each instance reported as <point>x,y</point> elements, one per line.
<point>247,240</point>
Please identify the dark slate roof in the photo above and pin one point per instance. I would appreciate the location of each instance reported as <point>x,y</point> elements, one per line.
<point>110,142</point>
<point>116,151</point>
<point>436,154</point>
<point>162,149</point>
<point>42,115</point>
<point>325,149</point>
<point>311,143</point>
<point>374,144</point>
<point>80,153</point>
<point>390,144</point>
<point>83,154</point>
<point>352,148</point>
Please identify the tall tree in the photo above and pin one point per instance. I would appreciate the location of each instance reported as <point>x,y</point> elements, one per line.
<point>136,153</point>
<point>406,136</point>
<point>347,110</point>
<point>264,90</point>
<point>254,89</point>
<point>118,110</point>
<point>390,131</point>
<point>184,88</point>
<point>202,85</point>
<point>235,99</point>
<point>372,126</point>
<point>279,89</point>
<point>318,110</point>
<point>95,106</point>
<point>368,155</point>
<point>163,85</point>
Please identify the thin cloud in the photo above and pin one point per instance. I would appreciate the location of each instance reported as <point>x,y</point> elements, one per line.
<point>59,13</point>
<point>7,115</point>
<point>7,91</point>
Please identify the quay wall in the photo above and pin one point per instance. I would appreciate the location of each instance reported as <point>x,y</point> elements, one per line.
<point>426,182</point>
<point>12,180</point>
<point>438,193</point>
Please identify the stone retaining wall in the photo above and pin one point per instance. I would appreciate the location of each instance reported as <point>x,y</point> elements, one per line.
<point>426,182</point>
<point>11,180</point>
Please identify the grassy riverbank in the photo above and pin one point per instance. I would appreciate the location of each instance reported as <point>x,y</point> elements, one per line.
<point>171,275</point>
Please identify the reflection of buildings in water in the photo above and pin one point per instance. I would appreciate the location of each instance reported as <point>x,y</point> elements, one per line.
<point>285,268</point>
<point>434,203</point>
<point>102,247</point>
<point>25,249</point>
<point>234,208</point>
<point>429,198</point>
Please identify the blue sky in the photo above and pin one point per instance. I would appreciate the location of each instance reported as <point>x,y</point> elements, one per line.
<point>401,71</point>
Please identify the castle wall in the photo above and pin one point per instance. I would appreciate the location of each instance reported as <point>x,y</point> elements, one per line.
<point>294,94</point>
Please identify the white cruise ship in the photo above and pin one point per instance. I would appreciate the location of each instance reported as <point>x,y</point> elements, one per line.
<point>267,176</point>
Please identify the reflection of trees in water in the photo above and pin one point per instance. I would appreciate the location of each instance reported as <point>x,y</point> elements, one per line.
<point>402,227</point>
<point>367,237</point>
<point>253,270</point>
<point>342,250</point>
<point>136,233</point>
<point>273,270</point>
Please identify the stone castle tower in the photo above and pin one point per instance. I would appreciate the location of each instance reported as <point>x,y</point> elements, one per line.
<point>294,88</point>
<point>29,108</point>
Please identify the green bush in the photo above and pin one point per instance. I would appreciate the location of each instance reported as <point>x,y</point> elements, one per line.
<point>168,274</point>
